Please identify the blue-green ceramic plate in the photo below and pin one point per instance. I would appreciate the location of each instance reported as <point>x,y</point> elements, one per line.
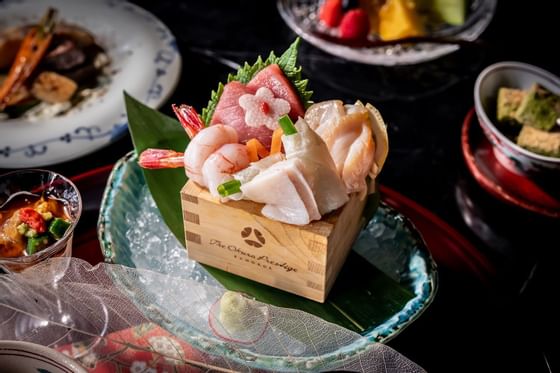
<point>132,233</point>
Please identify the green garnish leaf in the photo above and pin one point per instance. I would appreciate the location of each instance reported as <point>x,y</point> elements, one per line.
<point>287,125</point>
<point>287,62</point>
<point>151,129</point>
<point>229,187</point>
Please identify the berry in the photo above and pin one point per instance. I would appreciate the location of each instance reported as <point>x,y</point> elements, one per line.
<point>354,25</point>
<point>331,12</point>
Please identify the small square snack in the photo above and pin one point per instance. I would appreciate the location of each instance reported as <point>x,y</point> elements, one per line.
<point>541,142</point>
<point>509,100</point>
<point>540,108</point>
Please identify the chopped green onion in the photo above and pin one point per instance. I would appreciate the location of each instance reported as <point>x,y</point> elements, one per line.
<point>287,125</point>
<point>229,187</point>
<point>58,227</point>
<point>31,233</point>
<point>38,243</point>
<point>22,228</point>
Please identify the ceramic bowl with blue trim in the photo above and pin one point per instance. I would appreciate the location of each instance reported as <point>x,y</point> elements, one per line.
<point>520,76</point>
<point>144,62</point>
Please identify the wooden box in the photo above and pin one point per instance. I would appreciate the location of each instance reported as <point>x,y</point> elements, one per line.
<point>235,237</point>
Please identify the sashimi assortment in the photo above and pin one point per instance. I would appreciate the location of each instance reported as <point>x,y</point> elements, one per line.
<point>257,141</point>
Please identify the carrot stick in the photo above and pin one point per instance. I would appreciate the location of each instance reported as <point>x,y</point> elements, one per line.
<point>252,150</point>
<point>256,150</point>
<point>276,145</point>
<point>32,49</point>
<point>263,152</point>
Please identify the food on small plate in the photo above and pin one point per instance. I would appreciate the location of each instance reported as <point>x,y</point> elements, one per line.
<point>536,111</point>
<point>538,141</point>
<point>389,19</point>
<point>257,141</point>
<point>48,68</point>
<point>30,223</point>
<point>509,100</point>
<point>540,108</point>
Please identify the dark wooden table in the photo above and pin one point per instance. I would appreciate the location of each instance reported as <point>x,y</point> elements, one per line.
<point>503,324</point>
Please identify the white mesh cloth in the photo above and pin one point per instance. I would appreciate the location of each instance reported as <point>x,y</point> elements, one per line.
<point>67,300</point>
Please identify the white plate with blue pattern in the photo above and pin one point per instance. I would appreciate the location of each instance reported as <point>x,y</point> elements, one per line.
<point>145,62</point>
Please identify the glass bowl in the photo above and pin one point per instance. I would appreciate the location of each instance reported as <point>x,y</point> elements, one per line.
<point>301,17</point>
<point>50,184</point>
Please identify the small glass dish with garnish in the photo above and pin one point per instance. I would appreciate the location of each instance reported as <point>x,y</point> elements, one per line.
<point>39,210</point>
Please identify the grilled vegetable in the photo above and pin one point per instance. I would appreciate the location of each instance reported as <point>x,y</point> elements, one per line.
<point>31,51</point>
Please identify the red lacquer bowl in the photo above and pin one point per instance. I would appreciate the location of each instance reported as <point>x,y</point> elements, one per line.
<point>500,181</point>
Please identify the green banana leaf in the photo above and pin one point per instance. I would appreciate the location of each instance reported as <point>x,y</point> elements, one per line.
<point>362,296</point>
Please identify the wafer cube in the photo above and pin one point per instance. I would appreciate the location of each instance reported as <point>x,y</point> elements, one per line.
<point>540,108</point>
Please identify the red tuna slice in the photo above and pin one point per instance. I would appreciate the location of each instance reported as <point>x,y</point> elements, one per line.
<point>229,112</point>
<point>273,78</point>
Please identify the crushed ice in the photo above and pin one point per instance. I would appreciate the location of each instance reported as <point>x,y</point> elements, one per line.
<point>153,246</point>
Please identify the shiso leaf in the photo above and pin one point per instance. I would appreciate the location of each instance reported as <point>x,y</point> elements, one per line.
<point>287,62</point>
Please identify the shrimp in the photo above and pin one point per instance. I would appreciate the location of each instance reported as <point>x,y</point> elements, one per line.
<point>221,164</point>
<point>206,142</point>
<point>211,157</point>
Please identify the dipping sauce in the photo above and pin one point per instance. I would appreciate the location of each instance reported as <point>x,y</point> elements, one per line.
<point>30,223</point>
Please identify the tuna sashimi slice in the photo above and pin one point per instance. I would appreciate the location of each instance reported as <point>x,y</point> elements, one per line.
<point>229,112</point>
<point>273,78</point>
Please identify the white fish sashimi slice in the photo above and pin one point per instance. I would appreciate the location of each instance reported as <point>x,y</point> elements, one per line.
<point>323,118</point>
<point>358,162</point>
<point>256,168</point>
<point>304,189</point>
<point>381,137</point>
<point>286,195</point>
<point>317,167</point>
<point>340,146</point>
<point>355,156</point>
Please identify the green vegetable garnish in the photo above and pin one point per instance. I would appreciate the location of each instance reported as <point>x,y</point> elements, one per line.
<point>287,125</point>
<point>22,228</point>
<point>229,187</point>
<point>31,233</point>
<point>58,227</point>
<point>38,243</point>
